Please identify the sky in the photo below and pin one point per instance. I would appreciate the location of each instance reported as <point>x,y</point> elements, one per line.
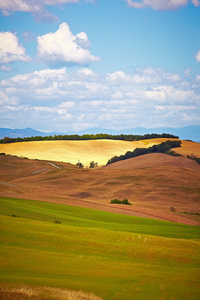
<point>70,65</point>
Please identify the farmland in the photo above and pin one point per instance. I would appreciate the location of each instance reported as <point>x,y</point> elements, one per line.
<point>86,151</point>
<point>113,256</point>
<point>62,237</point>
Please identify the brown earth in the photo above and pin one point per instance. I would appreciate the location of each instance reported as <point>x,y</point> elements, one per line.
<point>153,183</point>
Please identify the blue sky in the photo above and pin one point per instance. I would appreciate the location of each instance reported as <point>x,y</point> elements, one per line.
<point>118,64</point>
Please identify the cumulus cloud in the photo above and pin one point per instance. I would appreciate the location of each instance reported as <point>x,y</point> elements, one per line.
<point>63,48</point>
<point>197,56</point>
<point>79,99</point>
<point>160,5</point>
<point>11,50</point>
<point>144,76</point>
<point>37,8</point>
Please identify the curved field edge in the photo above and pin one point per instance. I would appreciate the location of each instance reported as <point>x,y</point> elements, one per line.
<point>110,255</point>
<point>99,151</point>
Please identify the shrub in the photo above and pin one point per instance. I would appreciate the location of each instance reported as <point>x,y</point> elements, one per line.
<point>116,201</point>
<point>93,164</point>
<point>125,201</point>
<point>173,153</point>
<point>80,165</point>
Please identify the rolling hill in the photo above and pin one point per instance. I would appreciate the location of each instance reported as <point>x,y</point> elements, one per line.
<point>99,151</point>
<point>153,184</point>
<point>79,241</point>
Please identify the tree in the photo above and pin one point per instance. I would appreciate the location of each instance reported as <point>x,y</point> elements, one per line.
<point>80,165</point>
<point>93,164</point>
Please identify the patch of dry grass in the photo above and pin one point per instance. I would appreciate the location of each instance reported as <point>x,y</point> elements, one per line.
<point>71,151</point>
<point>41,293</point>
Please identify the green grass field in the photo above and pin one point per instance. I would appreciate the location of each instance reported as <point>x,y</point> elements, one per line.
<point>113,256</point>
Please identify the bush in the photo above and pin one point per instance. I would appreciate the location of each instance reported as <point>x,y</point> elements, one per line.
<point>93,164</point>
<point>125,201</point>
<point>173,153</point>
<point>116,201</point>
<point>80,165</point>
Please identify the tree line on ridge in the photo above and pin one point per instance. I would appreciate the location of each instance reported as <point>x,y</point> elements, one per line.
<point>98,136</point>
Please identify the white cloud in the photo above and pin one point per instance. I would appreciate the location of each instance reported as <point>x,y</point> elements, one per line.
<point>5,99</point>
<point>11,50</point>
<point>5,68</point>
<point>171,94</point>
<point>35,79</point>
<point>32,6</point>
<point>146,76</point>
<point>80,99</point>
<point>197,56</point>
<point>159,4</point>
<point>62,47</point>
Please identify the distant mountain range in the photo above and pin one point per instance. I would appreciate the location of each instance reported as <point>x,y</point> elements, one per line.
<point>184,133</point>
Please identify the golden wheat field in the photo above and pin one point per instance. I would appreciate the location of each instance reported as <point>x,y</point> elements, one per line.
<point>99,151</point>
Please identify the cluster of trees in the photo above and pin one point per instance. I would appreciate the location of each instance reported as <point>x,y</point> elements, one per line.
<point>116,201</point>
<point>92,164</point>
<point>99,136</point>
<point>160,148</point>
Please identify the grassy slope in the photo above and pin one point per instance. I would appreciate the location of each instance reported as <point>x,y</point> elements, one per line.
<point>86,151</point>
<point>113,256</point>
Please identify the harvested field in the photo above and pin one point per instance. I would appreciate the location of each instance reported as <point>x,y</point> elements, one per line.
<point>152,184</point>
<point>154,160</point>
<point>99,151</point>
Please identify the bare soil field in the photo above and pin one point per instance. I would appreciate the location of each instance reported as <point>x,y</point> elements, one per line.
<point>152,183</point>
<point>99,151</point>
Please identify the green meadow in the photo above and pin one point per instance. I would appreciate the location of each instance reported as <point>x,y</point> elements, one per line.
<point>110,255</point>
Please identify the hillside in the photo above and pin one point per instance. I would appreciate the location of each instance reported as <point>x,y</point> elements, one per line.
<point>152,183</point>
<point>155,160</point>
<point>86,151</point>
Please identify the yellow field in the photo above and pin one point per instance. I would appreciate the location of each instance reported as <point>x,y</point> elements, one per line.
<point>85,151</point>
<point>188,148</point>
